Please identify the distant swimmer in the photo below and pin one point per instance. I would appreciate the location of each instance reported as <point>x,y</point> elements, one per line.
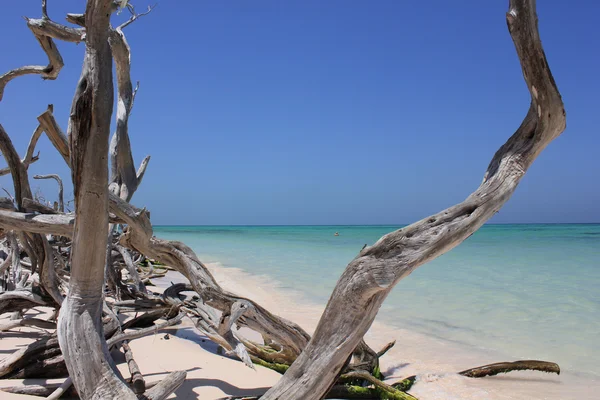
<point>336,234</point>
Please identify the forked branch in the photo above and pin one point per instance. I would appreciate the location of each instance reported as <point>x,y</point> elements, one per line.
<point>55,61</point>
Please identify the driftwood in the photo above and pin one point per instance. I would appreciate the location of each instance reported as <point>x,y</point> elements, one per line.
<point>30,158</point>
<point>491,370</point>
<point>504,367</point>
<point>51,71</point>
<point>370,277</point>
<point>49,255</point>
<point>32,322</point>
<point>39,390</point>
<point>397,391</point>
<point>137,380</point>
<point>61,199</point>
<point>80,329</point>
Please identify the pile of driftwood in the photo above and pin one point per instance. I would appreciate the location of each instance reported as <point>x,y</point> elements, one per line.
<point>92,265</point>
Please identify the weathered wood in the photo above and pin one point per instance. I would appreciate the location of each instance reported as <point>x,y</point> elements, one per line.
<point>36,245</point>
<point>291,337</point>
<point>359,293</point>
<point>7,203</point>
<point>38,390</point>
<point>491,370</point>
<point>164,388</point>
<point>133,274</point>
<point>30,205</point>
<point>36,322</point>
<point>61,200</point>
<point>387,391</point>
<point>17,300</point>
<point>117,339</point>
<point>144,320</point>
<point>46,366</point>
<point>43,357</point>
<point>51,71</point>
<point>364,359</point>
<point>62,389</point>
<point>6,263</point>
<point>288,335</point>
<point>30,158</point>
<point>51,29</point>
<point>55,134</point>
<point>137,380</point>
<point>370,277</point>
<point>17,169</point>
<point>80,330</point>
<point>385,349</point>
<point>124,179</point>
<point>225,330</point>
<point>57,224</point>
<point>505,367</point>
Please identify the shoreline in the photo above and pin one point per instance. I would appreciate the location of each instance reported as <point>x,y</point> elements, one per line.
<point>436,360</point>
<point>211,376</point>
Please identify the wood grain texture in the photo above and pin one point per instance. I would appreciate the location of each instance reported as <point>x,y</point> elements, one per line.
<point>80,328</point>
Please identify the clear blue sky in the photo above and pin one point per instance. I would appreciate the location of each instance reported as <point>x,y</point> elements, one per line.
<point>328,112</point>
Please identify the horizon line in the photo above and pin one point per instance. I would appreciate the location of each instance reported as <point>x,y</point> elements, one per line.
<point>495,223</point>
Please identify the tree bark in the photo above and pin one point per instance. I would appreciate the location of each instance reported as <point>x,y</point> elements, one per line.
<point>80,330</point>
<point>370,277</point>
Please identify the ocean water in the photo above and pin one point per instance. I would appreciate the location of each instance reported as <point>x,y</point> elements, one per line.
<point>525,291</point>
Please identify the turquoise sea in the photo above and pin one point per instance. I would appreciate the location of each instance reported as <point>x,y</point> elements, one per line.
<point>526,291</point>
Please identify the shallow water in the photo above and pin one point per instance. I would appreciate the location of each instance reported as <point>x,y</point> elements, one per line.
<point>526,291</point>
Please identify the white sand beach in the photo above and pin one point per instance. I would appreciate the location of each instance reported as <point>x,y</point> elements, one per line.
<point>211,376</point>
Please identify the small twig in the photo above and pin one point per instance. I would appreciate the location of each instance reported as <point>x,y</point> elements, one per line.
<point>137,86</point>
<point>143,332</point>
<point>9,195</point>
<point>44,10</point>
<point>61,389</point>
<point>134,16</point>
<point>385,349</point>
<point>391,391</point>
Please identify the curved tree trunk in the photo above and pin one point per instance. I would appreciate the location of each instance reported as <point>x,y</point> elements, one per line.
<point>370,277</point>
<point>353,305</point>
<point>80,331</point>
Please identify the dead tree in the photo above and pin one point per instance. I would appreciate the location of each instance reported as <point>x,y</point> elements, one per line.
<point>71,252</point>
<point>89,121</point>
<point>80,332</point>
<point>370,277</point>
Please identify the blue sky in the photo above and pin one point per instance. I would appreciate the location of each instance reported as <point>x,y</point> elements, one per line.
<point>328,112</point>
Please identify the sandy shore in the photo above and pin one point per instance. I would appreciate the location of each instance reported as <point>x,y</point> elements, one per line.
<point>211,376</point>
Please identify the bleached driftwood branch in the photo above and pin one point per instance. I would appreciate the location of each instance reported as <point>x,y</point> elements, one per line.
<point>370,277</point>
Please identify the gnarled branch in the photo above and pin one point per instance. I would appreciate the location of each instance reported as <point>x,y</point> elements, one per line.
<point>80,332</point>
<point>370,277</point>
<point>55,61</point>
